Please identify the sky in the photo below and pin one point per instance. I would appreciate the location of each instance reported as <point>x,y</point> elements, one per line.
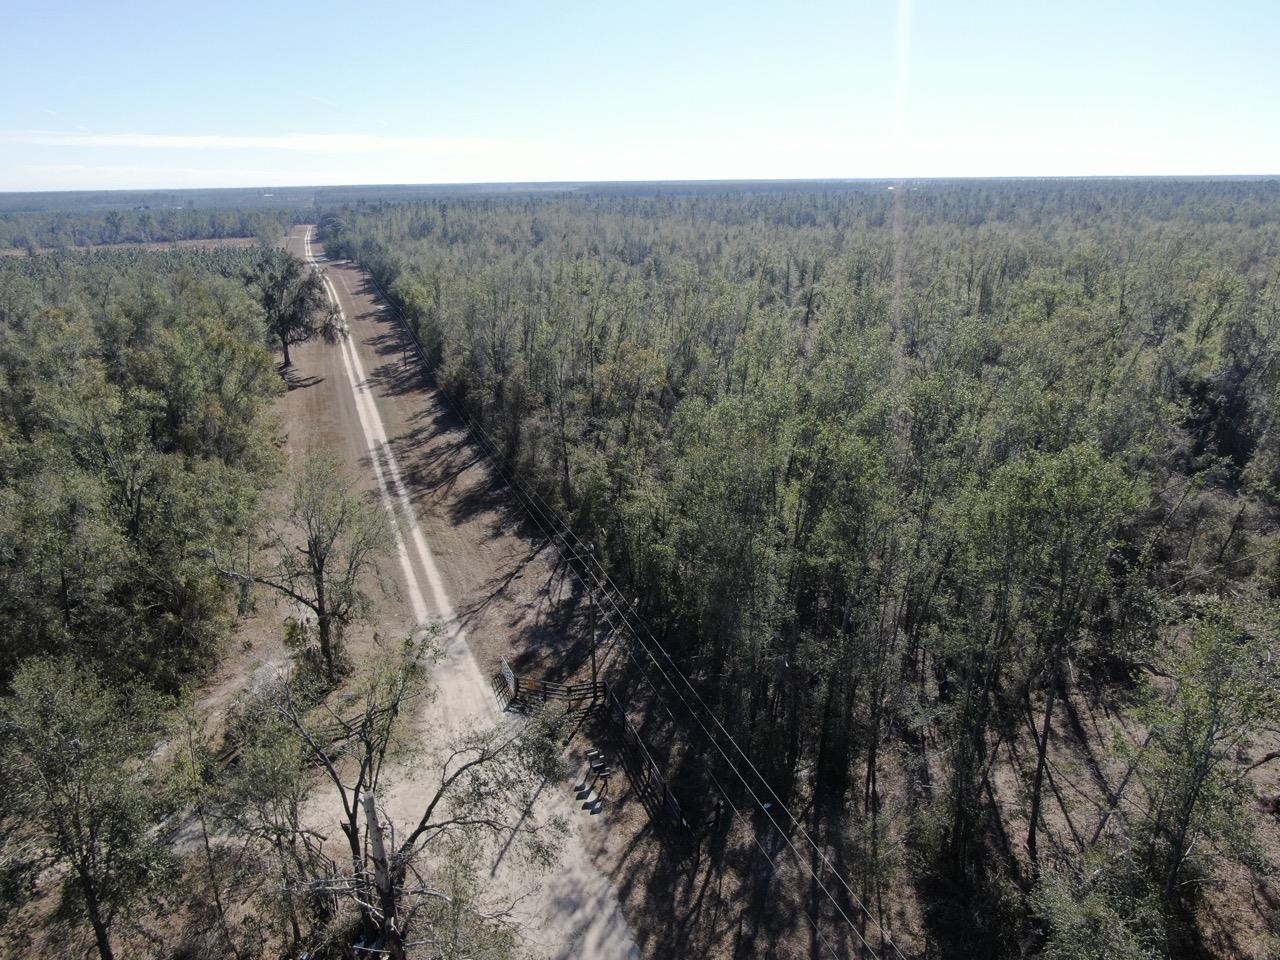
<point>104,95</point>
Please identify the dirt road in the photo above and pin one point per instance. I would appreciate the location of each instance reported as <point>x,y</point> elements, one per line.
<point>457,558</point>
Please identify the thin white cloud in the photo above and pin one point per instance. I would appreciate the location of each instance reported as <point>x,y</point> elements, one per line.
<point>73,176</point>
<point>102,161</point>
<point>327,143</point>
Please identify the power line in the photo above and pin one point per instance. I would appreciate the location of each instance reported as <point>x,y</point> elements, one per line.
<point>557,530</point>
<point>739,816</point>
<point>564,534</point>
<point>592,564</point>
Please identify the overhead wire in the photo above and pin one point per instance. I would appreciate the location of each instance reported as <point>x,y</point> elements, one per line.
<point>561,533</point>
<point>592,565</point>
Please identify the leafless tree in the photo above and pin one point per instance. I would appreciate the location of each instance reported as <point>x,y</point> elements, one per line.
<point>402,880</point>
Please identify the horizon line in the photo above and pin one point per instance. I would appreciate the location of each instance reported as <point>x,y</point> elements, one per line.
<point>690,181</point>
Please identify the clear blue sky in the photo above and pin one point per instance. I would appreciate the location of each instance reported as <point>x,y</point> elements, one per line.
<point>144,94</point>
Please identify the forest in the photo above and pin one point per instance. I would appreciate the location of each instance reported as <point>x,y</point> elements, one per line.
<point>36,232</point>
<point>956,501</point>
<point>58,221</point>
<point>146,509</point>
<point>135,420</point>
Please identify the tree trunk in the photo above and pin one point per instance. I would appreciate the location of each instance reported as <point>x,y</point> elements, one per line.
<point>325,629</point>
<point>1037,785</point>
<point>294,926</point>
<point>565,481</point>
<point>215,883</point>
<point>392,938</point>
<point>100,930</point>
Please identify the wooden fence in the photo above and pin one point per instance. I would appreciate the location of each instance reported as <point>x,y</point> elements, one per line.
<point>644,770</point>
<point>646,776</point>
<point>514,688</point>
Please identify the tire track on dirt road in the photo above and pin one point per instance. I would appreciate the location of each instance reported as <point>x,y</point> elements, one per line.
<point>574,902</point>
<point>375,435</point>
<point>459,668</point>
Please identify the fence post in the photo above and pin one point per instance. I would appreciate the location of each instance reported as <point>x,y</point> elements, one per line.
<point>513,682</point>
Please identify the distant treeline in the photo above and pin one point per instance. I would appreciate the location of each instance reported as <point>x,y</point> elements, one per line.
<point>957,500</point>
<point>35,232</point>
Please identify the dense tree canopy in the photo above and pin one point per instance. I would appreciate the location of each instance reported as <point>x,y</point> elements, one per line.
<point>909,480</point>
<point>75,759</point>
<point>67,229</point>
<point>136,435</point>
<point>958,504</point>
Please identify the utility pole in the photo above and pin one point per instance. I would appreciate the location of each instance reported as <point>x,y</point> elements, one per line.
<point>595,668</point>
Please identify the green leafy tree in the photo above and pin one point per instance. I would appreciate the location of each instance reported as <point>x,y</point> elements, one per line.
<point>293,298</point>
<point>78,761</point>
<point>1100,907</point>
<point>326,552</point>
<point>1227,687</point>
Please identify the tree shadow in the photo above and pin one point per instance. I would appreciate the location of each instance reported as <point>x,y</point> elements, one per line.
<point>963,919</point>
<point>495,588</point>
<point>293,380</point>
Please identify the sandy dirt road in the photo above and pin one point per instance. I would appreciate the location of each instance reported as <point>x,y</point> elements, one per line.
<point>458,559</point>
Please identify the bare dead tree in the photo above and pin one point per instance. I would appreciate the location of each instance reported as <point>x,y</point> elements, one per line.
<point>486,786</point>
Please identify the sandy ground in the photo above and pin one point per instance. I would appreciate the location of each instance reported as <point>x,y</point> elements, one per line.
<point>458,559</point>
